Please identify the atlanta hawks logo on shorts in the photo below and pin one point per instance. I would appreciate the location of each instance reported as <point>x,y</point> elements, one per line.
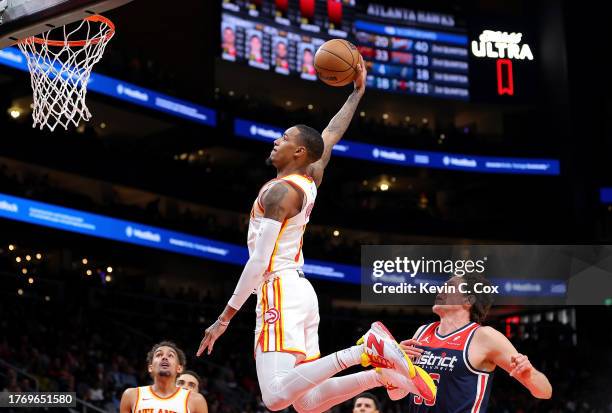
<point>271,316</point>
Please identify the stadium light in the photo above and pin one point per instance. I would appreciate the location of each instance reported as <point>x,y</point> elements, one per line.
<point>14,112</point>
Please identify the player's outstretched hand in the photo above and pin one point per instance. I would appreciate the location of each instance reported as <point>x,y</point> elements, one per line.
<point>409,348</point>
<point>521,366</point>
<point>360,78</point>
<point>211,334</point>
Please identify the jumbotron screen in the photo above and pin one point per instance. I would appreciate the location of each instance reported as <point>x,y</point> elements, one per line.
<point>409,51</point>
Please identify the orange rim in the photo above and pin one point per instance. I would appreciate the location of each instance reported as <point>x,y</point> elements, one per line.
<point>79,43</point>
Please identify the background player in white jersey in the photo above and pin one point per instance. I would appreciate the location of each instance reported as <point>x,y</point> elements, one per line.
<point>287,309</point>
<point>462,355</point>
<point>165,361</point>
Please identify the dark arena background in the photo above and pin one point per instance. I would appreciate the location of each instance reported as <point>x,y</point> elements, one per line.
<point>131,228</point>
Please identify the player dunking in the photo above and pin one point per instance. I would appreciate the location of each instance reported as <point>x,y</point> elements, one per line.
<point>165,361</point>
<point>287,310</point>
<point>461,355</point>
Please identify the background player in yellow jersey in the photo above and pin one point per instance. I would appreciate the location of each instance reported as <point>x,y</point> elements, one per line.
<point>165,361</point>
<point>286,334</point>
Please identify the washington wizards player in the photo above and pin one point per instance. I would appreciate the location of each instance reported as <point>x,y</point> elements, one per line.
<point>461,355</point>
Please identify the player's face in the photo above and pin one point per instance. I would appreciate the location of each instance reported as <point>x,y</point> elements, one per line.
<point>255,45</point>
<point>285,148</point>
<point>364,405</point>
<point>307,57</point>
<point>228,36</point>
<point>281,50</point>
<point>188,382</point>
<point>451,301</point>
<point>165,363</point>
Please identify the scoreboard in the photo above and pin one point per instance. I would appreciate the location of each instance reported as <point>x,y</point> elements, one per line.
<point>407,51</point>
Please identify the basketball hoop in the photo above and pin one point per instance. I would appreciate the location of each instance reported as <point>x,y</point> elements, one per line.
<point>60,70</point>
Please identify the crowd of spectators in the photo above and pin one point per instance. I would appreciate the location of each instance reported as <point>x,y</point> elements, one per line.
<point>94,341</point>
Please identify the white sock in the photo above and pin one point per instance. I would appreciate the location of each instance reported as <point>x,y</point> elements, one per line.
<point>349,356</point>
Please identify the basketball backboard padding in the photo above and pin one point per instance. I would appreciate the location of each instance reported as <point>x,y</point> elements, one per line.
<point>25,18</point>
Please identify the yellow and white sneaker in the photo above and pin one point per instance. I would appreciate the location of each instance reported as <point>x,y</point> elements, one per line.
<point>382,351</point>
<point>397,385</point>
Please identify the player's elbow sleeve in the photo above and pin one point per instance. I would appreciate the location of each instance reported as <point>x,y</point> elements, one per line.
<point>257,266</point>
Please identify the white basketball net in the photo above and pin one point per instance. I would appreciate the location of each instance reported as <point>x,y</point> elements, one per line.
<point>60,70</point>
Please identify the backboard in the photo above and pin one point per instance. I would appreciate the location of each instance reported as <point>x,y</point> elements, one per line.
<point>22,18</point>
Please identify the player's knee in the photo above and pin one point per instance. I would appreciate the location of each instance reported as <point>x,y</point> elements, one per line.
<point>275,402</point>
<point>304,405</point>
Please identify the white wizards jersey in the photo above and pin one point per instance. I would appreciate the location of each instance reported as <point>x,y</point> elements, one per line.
<point>149,402</point>
<point>287,254</point>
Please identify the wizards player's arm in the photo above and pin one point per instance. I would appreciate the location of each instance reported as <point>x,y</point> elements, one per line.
<point>491,348</point>
<point>280,202</point>
<point>339,124</point>
<point>410,346</point>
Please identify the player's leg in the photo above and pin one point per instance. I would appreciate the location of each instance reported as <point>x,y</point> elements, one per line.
<point>336,390</point>
<point>290,317</point>
<point>293,333</point>
<point>282,382</point>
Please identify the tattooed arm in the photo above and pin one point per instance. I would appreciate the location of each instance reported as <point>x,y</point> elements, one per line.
<point>339,124</point>
<point>280,202</point>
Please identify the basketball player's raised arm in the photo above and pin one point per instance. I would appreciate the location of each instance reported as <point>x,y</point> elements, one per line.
<point>501,352</point>
<point>339,124</point>
<point>280,202</point>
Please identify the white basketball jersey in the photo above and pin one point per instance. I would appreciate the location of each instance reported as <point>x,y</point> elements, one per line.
<point>149,402</point>
<point>287,254</point>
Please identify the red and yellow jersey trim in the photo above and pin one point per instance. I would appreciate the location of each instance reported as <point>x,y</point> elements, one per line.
<point>187,401</point>
<point>278,342</point>
<point>297,256</point>
<point>274,252</point>
<point>309,359</point>
<point>178,389</point>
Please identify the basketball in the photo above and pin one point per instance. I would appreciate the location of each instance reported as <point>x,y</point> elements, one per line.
<point>336,62</point>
